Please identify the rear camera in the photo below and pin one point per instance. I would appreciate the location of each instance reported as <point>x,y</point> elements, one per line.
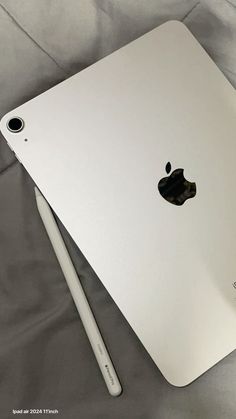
<point>15,124</point>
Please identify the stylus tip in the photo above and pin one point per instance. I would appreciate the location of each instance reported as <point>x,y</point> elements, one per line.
<point>36,191</point>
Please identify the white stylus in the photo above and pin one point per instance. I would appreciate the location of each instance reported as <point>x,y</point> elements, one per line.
<point>79,297</point>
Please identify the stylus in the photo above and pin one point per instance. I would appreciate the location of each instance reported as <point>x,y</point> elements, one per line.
<point>79,297</point>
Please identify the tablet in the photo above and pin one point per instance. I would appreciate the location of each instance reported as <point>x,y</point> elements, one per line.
<point>136,155</point>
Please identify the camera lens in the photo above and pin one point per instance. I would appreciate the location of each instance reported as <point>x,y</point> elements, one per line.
<point>15,124</point>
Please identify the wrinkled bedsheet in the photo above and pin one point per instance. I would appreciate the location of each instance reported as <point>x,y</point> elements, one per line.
<point>45,358</point>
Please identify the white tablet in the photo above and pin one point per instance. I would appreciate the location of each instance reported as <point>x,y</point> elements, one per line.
<point>136,155</point>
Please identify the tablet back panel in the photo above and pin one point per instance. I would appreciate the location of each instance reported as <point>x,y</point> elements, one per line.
<point>97,146</point>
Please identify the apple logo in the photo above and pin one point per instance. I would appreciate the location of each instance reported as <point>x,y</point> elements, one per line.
<point>175,188</point>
